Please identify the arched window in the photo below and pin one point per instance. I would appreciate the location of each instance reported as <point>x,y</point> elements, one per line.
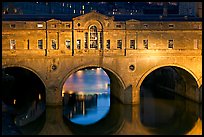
<point>93,37</point>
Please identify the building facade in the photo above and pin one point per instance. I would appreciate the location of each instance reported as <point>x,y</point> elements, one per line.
<point>128,49</point>
<point>94,31</point>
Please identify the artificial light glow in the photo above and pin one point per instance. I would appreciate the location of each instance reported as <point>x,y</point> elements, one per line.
<point>39,97</point>
<point>14,101</point>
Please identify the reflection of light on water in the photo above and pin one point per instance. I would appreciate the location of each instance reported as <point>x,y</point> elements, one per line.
<point>98,71</point>
<point>39,97</point>
<point>79,73</point>
<point>14,101</point>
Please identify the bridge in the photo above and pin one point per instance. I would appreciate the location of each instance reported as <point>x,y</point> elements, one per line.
<point>127,50</point>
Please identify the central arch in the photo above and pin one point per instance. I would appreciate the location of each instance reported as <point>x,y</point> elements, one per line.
<point>112,76</point>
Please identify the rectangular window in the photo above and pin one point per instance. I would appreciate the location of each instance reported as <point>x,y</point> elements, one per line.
<point>67,25</point>
<point>171,44</point>
<point>108,44</point>
<point>132,44</point>
<point>145,43</point>
<point>145,25</point>
<point>12,25</point>
<point>68,44</point>
<point>195,44</point>
<point>54,44</point>
<point>28,44</point>
<point>119,44</point>
<point>40,44</point>
<point>171,26</point>
<point>39,25</point>
<point>86,40</point>
<point>118,26</point>
<point>53,25</point>
<point>78,44</point>
<point>12,44</point>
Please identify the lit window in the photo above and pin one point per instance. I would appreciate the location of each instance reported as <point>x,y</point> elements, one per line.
<point>132,44</point>
<point>145,43</point>
<point>145,25</point>
<point>53,25</point>
<point>40,44</point>
<point>68,44</point>
<point>12,44</point>
<point>78,44</point>
<point>67,25</point>
<point>93,37</point>
<point>119,44</point>
<point>54,45</point>
<point>39,25</point>
<point>108,44</point>
<point>171,44</point>
<point>83,7</point>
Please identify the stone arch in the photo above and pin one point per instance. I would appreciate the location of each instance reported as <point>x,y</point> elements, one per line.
<point>108,70</point>
<point>28,68</point>
<point>166,65</point>
<point>197,81</point>
<point>96,23</point>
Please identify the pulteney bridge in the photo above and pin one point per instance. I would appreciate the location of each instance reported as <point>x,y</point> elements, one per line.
<point>127,50</point>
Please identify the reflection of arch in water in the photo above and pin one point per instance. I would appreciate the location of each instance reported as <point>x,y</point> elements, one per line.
<point>110,124</point>
<point>182,116</point>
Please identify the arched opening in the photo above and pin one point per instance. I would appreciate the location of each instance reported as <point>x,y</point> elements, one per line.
<point>88,99</point>
<point>168,101</point>
<point>24,96</point>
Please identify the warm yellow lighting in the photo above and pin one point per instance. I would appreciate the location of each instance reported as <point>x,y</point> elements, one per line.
<point>14,101</point>
<point>39,97</point>
<point>63,93</point>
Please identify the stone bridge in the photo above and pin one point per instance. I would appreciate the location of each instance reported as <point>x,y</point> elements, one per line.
<point>126,71</point>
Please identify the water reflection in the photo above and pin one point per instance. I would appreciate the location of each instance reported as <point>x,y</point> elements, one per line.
<point>86,96</point>
<point>86,109</point>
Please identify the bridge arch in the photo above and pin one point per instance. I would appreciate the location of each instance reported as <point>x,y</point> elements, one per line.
<point>197,80</point>
<point>113,76</point>
<point>27,68</point>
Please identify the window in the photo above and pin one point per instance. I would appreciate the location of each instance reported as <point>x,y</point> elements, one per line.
<point>68,44</point>
<point>171,26</point>
<point>93,37</point>
<point>67,25</point>
<point>145,43</point>
<point>53,25</point>
<point>101,40</point>
<point>145,25</point>
<point>132,44</point>
<point>171,44</point>
<point>39,25</point>
<point>78,44</point>
<point>12,25</point>
<point>28,44</point>
<point>86,40</point>
<point>195,44</point>
<point>12,44</point>
<point>40,44</point>
<point>108,44</point>
<point>119,44</point>
<point>118,26</point>
<point>54,45</point>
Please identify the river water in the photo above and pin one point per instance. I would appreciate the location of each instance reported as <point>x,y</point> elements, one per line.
<point>89,108</point>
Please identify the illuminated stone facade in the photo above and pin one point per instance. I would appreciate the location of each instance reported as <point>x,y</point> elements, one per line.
<point>54,49</point>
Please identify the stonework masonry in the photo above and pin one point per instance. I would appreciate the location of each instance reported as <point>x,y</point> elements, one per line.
<point>55,49</point>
